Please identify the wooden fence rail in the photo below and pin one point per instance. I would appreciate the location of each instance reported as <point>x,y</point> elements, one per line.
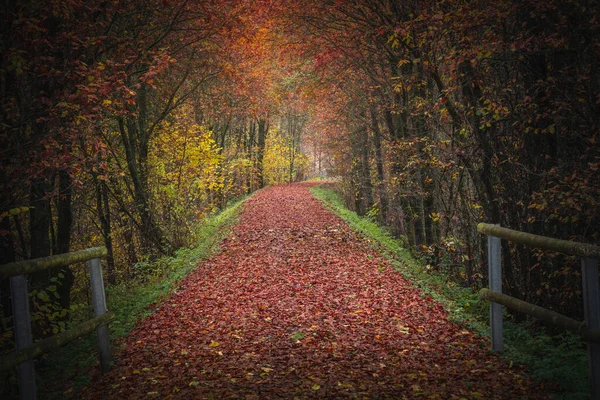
<point>543,314</point>
<point>588,330</point>
<point>60,260</point>
<point>541,242</point>
<point>26,349</point>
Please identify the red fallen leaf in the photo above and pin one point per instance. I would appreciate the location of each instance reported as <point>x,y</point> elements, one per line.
<point>366,330</point>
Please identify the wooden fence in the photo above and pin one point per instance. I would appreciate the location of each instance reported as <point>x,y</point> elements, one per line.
<point>26,349</point>
<point>588,330</point>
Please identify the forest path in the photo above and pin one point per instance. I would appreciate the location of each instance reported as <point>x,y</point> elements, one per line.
<point>296,305</point>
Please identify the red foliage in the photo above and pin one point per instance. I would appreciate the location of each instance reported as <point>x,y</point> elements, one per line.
<point>297,305</point>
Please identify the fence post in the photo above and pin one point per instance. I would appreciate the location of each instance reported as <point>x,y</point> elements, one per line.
<point>591,309</point>
<point>23,338</point>
<point>495,279</point>
<point>99,301</point>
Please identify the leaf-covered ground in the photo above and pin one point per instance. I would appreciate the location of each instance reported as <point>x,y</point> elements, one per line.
<point>296,305</point>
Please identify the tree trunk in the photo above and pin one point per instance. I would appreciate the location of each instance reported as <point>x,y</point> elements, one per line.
<point>103,209</point>
<point>39,223</point>
<point>63,237</point>
<point>251,180</point>
<point>151,236</point>
<point>128,239</point>
<point>363,186</point>
<point>366,183</point>
<point>7,255</point>
<point>292,133</point>
<point>262,135</point>
<point>39,236</point>
<point>381,190</point>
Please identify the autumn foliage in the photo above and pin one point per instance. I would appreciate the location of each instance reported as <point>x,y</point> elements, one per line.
<point>125,123</point>
<point>440,115</point>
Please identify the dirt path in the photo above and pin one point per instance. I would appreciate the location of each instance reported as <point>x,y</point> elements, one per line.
<point>298,306</point>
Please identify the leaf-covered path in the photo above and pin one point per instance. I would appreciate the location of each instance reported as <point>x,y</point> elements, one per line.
<point>297,305</point>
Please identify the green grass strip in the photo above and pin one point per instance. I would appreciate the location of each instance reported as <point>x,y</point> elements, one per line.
<point>131,303</point>
<point>559,360</point>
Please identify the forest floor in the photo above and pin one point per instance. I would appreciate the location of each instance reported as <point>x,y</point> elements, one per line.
<point>297,305</point>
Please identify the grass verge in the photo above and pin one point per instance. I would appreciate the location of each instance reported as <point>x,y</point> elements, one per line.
<point>64,372</point>
<point>559,360</point>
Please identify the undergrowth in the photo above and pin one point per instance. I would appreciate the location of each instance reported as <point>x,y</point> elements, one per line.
<point>64,372</point>
<point>559,360</point>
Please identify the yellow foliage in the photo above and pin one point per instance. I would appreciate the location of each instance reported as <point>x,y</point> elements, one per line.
<point>185,175</point>
<point>281,162</point>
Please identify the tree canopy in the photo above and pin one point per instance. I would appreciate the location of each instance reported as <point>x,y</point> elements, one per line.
<point>124,123</point>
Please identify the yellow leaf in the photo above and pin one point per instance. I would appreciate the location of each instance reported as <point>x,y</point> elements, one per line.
<point>214,344</point>
<point>404,329</point>
<point>136,371</point>
<point>316,386</point>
